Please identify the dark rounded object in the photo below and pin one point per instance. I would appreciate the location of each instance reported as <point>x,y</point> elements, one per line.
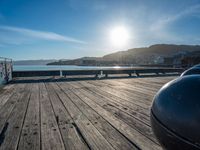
<point>175,114</point>
<point>191,71</point>
<point>198,65</point>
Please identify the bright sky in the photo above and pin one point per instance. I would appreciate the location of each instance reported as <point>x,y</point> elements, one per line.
<point>42,29</point>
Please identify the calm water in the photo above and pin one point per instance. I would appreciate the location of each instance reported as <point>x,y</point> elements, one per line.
<point>44,67</point>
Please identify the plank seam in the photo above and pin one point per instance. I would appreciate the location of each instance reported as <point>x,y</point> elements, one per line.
<point>23,119</point>
<point>109,123</point>
<point>124,122</point>
<point>55,116</point>
<point>73,123</point>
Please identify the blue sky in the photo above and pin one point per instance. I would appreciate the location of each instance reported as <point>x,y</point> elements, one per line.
<point>43,29</point>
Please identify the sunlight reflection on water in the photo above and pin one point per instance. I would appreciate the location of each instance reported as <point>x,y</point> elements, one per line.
<point>69,67</point>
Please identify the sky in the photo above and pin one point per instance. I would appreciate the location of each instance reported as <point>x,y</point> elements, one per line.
<point>68,29</point>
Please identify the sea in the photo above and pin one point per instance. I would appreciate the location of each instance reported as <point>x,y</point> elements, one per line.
<point>62,67</point>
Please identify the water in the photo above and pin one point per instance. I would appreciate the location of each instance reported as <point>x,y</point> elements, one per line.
<point>56,67</point>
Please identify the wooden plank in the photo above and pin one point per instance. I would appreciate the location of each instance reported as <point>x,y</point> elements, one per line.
<point>132,88</point>
<point>9,105</point>
<point>89,114</point>
<point>136,82</point>
<point>13,125</point>
<point>116,92</point>
<point>144,85</point>
<point>117,140</point>
<point>139,82</point>
<point>139,98</point>
<point>121,85</point>
<point>91,135</point>
<point>6,94</point>
<point>50,135</point>
<point>5,88</point>
<point>131,120</point>
<point>113,101</point>
<point>159,80</point>
<point>71,137</point>
<point>132,134</point>
<point>120,101</point>
<point>30,136</point>
<point>133,96</point>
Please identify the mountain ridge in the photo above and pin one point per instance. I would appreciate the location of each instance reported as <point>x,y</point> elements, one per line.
<point>33,62</point>
<point>135,56</point>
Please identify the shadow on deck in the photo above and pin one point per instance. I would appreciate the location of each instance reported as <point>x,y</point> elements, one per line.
<point>79,113</point>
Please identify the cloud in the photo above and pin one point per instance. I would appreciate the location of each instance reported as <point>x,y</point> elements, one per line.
<point>162,23</point>
<point>159,29</point>
<point>39,35</point>
<point>95,5</point>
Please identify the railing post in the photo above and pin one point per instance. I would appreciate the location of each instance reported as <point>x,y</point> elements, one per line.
<point>137,74</point>
<point>106,75</point>
<point>61,73</point>
<point>101,73</point>
<point>6,71</point>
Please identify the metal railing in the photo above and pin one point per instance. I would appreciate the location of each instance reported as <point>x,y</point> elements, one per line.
<point>97,72</point>
<point>6,68</point>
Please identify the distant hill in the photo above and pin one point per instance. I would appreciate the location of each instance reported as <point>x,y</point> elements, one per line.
<point>159,49</point>
<point>155,54</point>
<point>33,62</point>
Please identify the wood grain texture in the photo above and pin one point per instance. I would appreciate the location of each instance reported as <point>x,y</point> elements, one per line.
<point>70,135</point>
<point>15,121</point>
<point>117,140</point>
<point>30,136</point>
<point>53,114</point>
<point>92,136</point>
<point>50,134</point>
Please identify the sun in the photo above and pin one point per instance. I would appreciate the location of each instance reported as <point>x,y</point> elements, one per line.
<point>119,36</point>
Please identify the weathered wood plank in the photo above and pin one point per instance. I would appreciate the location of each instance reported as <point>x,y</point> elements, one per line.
<point>117,140</point>
<point>86,114</point>
<point>13,125</point>
<point>119,101</point>
<point>92,136</point>
<point>138,98</point>
<point>135,88</point>
<point>131,94</point>
<point>132,134</point>
<point>159,80</point>
<point>30,136</point>
<point>144,84</point>
<point>70,135</point>
<point>7,92</point>
<point>128,88</point>
<point>50,135</point>
<point>119,91</point>
<point>8,107</point>
<point>113,101</point>
<point>121,85</point>
<point>120,114</point>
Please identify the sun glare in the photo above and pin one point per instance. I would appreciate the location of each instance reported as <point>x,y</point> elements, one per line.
<point>119,36</point>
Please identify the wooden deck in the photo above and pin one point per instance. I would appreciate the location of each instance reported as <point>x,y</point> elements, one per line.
<point>81,114</point>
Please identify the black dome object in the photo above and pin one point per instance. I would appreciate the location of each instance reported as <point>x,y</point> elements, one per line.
<point>193,70</point>
<point>175,114</point>
<point>198,65</point>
